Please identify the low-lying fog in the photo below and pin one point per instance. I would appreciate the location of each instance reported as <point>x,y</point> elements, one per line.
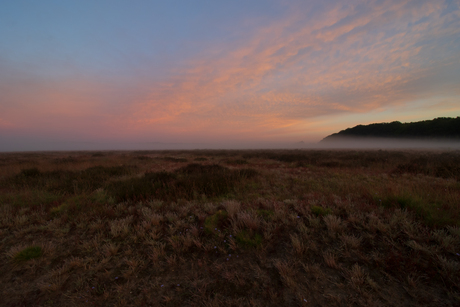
<point>340,143</point>
<point>387,143</point>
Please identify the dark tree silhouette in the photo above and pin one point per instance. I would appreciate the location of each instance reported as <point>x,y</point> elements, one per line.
<point>438,128</point>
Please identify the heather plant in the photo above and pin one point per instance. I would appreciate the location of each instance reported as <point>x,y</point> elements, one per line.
<point>320,211</point>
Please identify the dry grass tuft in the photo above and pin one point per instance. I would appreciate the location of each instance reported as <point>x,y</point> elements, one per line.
<point>287,273</point>
<point>110,249</point>
<point>120,227</point>
<point>331,260</point>
<point>357,276</point>
<point>334,224</point>
<point>351,241</point>
<point>232,207</point>
<point>248,220</point>
<point>298,245</point>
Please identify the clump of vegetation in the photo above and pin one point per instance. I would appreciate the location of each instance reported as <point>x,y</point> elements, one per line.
<point>320,211</point>
<point>236,161</point>
<point>151,185</point>
<point>66,181</point>
<point>82,202</point>
<point>189,182</point>
<point>396,201</point>
<point>215,221</point>
<point>28,253</point>
<point>30,172</point>
<point>143,158</point>
<point>267,215</point>
<point>248,238</point>
<point>174,159</point>
<point>29,198</point>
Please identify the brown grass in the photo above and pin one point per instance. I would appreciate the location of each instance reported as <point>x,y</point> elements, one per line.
<point>272,228</point>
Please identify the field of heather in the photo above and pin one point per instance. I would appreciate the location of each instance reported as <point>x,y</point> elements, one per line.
<point>230,228</point>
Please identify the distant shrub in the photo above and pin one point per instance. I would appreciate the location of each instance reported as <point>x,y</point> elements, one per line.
<point>267,215</point>
<point>68,182</point>
<point>173,159</point>
<point>201,159</point>
<point>101,196</point>
<point>189,182</point>
<point>247,173</point>
<point>30,172</point>
<point>65,160</point>
<point>59,209</point>
<point>443,165</point>
<point>331,163</point>
<point>210,180</point>
<point>236,161</point>
<point>425,209</point>
<point>395,201</point>
<point>320,211</point>
<point>151,185</point>
<point>28,253</point>
<point>28,198</point>
<point>142,158</point>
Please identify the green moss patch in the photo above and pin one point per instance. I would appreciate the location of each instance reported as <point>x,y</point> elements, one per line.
<point>28,253</point>
<point>267,215</point>
<point>248,239</point>
<point>320,211</point>
<point>215,221</point>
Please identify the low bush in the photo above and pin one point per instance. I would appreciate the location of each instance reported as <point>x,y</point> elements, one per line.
<point>236,161</point>
<point>30,172</point>
<point>189,182</point>
<point>67,182</point>
<point>173,159</point>
<point>151,185</point>
<point>29,198</point>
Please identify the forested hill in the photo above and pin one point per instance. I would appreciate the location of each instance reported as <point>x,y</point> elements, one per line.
<point>438,128</point>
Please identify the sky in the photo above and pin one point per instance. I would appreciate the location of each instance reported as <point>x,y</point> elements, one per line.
<point>220,74</point>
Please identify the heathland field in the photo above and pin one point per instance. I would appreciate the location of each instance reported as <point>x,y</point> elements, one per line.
<point>230,228</point>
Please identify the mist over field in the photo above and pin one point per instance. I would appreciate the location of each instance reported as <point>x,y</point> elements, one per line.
<point>387,143</point>
<point>14,145</point>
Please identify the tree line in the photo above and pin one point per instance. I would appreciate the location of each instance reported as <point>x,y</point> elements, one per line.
<point>438,128</point>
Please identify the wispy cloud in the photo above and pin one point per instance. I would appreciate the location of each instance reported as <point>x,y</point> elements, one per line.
<point>345,59</point>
